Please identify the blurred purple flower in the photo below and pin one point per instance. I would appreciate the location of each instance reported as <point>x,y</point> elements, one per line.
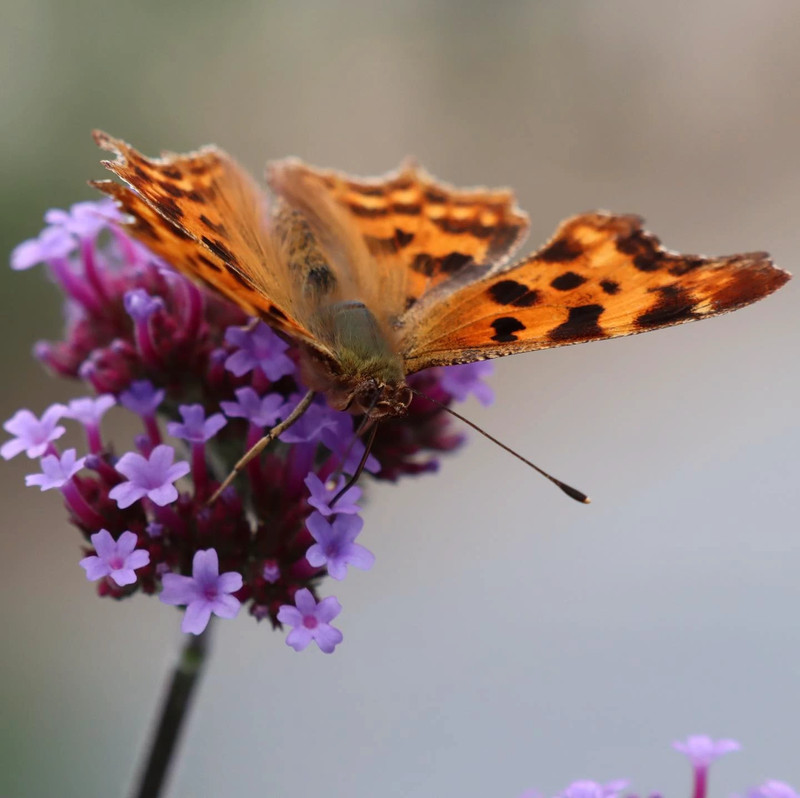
<point>33,435</point>
<point>196,428</point>
<point>140,305</point>
<point>322,493</point>
<point>702,750</point>
<point>593,789</point>
<point>142,397</point>
<point>51,244</point>
<point>258,348</point>
<point>262,412</point>
<point>463,380</point>
<point>90,410</point>
<point>271,571</point>
<point>56,471</point>
<point>206,591</point>
<point>84,219</point>
<point>311,621</point>
<point>149,476</point>
<point>334,547</point>
<point>115,558</point>
<point>774,789</point>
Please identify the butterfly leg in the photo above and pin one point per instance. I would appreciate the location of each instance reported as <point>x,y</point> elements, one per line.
<point>255,450</point>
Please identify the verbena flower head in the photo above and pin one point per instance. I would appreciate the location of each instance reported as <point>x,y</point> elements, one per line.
<point>194,366</point>
<point>701,750</point>
<point>139,334</point>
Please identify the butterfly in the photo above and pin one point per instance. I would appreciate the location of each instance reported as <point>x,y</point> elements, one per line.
<point>375,279</point>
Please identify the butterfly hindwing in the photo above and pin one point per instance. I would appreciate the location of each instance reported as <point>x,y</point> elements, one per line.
<point>600,276</point>
<point>407,233</point>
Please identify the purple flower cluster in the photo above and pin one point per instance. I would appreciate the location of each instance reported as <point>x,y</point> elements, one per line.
<point>701,751</point>
<point>206,383</point>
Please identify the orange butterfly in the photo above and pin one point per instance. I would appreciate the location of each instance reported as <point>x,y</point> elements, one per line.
<point>377,279</point>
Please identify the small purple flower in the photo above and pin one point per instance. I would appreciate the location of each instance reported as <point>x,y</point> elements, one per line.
<point>258,348</point>
<point>196,428</point>
<point>311,621</point>
<point>322,493</point>
<point>142,397</point>
<point>51,244</point>
<point>90,410</point>
<point>262,412</point>
<point>151,477</point>
<point>115,558</point>
<point>593,789</point>
<point>56,471</point>
<point>309,427</point>
<point>140,305</point>
<point>204,592</point>
<point>33,435</point>
<point>271,572</point>
<point>463,380</point>
<point>84,219</point>
<point>335,548</point>
<point>702,750</point>
<point>774,789</point>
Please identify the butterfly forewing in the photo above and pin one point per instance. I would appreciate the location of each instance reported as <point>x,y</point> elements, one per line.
<point>208,218</point>
<point>600,276</point>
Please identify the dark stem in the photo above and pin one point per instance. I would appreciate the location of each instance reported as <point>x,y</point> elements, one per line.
<point>175,707</point>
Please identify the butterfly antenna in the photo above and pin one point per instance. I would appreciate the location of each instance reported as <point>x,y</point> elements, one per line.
<point>352,481</point>
<point>573,493</point>
<point>255,450</point>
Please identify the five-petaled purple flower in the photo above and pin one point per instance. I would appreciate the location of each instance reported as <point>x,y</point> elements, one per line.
<point>117,559</point>
<point>259,348</point>
<point>260,411</point>
<point>204,592</point>
<point>56,470</point>
<point>774,789</point>
<point>149,476</point>
<point>322,493</point>
<point>335,548</point>
<point>142,397</point>
<point>196,428</point>
<point>702,750</point>
<point>311,621</point>
<point>33,435</point>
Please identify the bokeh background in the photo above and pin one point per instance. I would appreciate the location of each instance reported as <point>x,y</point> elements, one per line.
<point>507,638</point>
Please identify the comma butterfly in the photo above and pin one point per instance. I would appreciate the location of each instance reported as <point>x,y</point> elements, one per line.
<point>377,279</point>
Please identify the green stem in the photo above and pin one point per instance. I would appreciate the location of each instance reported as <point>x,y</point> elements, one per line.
<point>175,706</point>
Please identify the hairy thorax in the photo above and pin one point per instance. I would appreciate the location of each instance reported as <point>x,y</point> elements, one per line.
<point>365,374</point>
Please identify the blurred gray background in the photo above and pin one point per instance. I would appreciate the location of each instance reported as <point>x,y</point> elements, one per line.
<point>507,638</point>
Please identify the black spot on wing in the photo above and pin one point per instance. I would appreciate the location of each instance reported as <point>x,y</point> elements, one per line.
<point>567,281</point>
<point>196,196</point>
<point>453,262</point>
<point>609,286</point>
<point>423,264</point>
<point>321,279</point>
<point>219,229</point>
<point>277,312</point>
<point>406,208</point>
<point>220,250</point>
<point>510,292</point>
<point>644,250</point>
<point>505,328</point>
<point>580,324</point>
<point>172,172</point>
<point>560,251</point>
<point>208,262</point>
<point>365,212</point>
<point>673,305</point>
<point>172,189</point>
<point>402,237</point>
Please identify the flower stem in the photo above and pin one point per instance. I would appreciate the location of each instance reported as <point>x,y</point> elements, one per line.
<point>175,707</point>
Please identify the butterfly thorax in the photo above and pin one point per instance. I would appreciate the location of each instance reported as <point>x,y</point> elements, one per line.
<point>365,374</point>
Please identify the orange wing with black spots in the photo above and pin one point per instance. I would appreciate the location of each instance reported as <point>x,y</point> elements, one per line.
<point>204,215</point>
<point>403,234</point>
<point>600,276</point>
